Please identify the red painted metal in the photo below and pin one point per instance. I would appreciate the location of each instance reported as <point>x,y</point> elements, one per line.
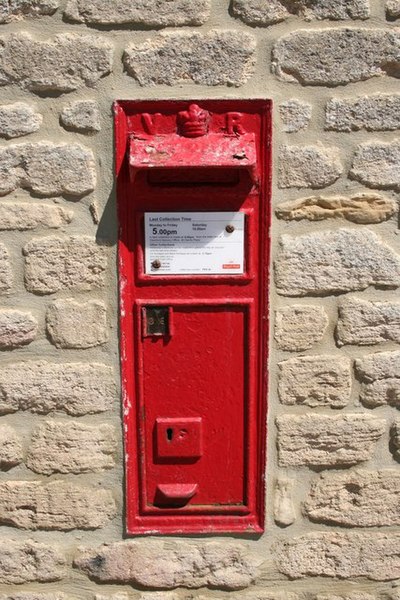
<point>194,390</point>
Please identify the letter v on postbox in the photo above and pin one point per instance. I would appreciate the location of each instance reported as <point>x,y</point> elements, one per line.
<point>193,194</point>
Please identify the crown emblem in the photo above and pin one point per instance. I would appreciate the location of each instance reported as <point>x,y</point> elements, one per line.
<point>193,122</point>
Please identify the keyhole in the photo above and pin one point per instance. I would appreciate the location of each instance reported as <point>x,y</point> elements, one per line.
<point>170,433</point>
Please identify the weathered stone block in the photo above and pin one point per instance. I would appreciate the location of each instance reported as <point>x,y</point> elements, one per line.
<point>308,166</point>
<point>33,596</point>
<point>299,327</point>
<point>23,215</point>
<point>73,324</point>
<point>167,565</point>
<point>6,276</point>
<point>364,323</point>
<point>149,13</point>
<point>259,12</point>
<point>71,447</point>
<point>378,112</point>
<point>74,263</point>
<point>360,208</point>
<point>333,57</point>
<point>295,115</point>
<point>256,594</point>
<point>42,387</point>
<point>15,10</point>
<point>18,119</point>
<point>82,116</point>
<point>393,9</point>
<point>11,453</point>
<point>284,512</point>
<point>377,164</point>
<point>341,555</point>
<point>395,440</point>
<point>380,379</point>
<point>355,499</point>
<point>28,561</point>
<point>330,262</point>
<point>17,328</point>
<point>315,381</point>
<point>64,64</point>
<point>346,596</point>
<point>173,58</point>
<point>325,441</point>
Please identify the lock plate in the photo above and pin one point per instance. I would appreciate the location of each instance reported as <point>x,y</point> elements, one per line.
<point>179,438</point>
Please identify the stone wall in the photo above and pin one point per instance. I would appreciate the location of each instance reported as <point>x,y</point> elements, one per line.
<point>333,478</point>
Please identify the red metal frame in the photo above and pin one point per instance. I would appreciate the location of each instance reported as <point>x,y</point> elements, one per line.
<point>138,289</point>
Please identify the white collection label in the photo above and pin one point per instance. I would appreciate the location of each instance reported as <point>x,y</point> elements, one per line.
<point>203,243</point>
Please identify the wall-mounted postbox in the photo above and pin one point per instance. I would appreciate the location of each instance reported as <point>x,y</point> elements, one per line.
<point>193,204</point>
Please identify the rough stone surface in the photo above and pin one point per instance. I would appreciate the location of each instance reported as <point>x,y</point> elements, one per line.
<point>47,169</point>
<point>346,596</point>
<point>28,561</point>
<point>295,115</point>
<point>6,276</point>
<point>377,165</point>
<point>150,13</point>
<point>82,116</point>
<point>284,513</point>
<point>15,10</point>
<point>336,56</point>
<point>23,215</point>
<point>55,505</point>
<point>257,594</point>
<point>166,565</point>
<point>393,9</point>
<point>71,324</point>
<point>325,441</point>
<point>17,328</point>
<point>262,12</point>
<point>173,58</point>
<point>11,453</point>
<point>330,262</point>
<point>315,381</point>
<point>74,263</point>
<point>395,440</point>
<point>33,596</point>
<point>42,387</point>
<point>380,379</point>
<point>71,447</point>
<point>299,327</point>
<point>18,119</point>
<point>364,323</point>
<point>378,112</point>
<point>356,499</point>
<point>259,12</point>
<point>63,64</point>
<point>360,208</point>
<point>308,166</point>
<point>342,555</point>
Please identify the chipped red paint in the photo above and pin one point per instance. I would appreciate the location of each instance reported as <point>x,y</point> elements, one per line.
<point>195,398</point>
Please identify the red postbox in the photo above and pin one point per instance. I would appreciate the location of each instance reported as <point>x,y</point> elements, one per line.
<point>193,204</point>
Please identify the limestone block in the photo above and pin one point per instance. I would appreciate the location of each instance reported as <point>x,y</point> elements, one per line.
<point>167,565</point>
<point>325,441</point>
<point>333,57</point>
<point>63,64</point>
<point>82,116</point>
<point>256,594</point>
<point>346,596</point>
<point>71,447</point>
<point>6,276</point>
<point>42,387</point>
<point>364,323</point>
<point>330,262</point>
<point>55,505</point>
<point>155,596</point>
<point>315,381</point>
<point>15,10</point>
<point>341,555</point>
<point>17,328</point>
<point>295,115</point>
<point>392,9</point>
<point>284,513</point>
<point>259,12</point>
<point>174,58</point>
<point>355,499</point>
<point>378,112</point>
<point>73,324</point>
<point>380,379</point>
<point>22,216</point>
<point>28,561</point>
<point>377,164</point>
<point>308,166</point>
<point>33,596</point>
<point>148,13</point>
<point>18,119</point>
<point>73,263</point>
<point>360,208</point>
<point>395,440</point>
<point>299,327</point>
<point>262,12</point>
<point>47,169</point>
<point>11,453</point>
